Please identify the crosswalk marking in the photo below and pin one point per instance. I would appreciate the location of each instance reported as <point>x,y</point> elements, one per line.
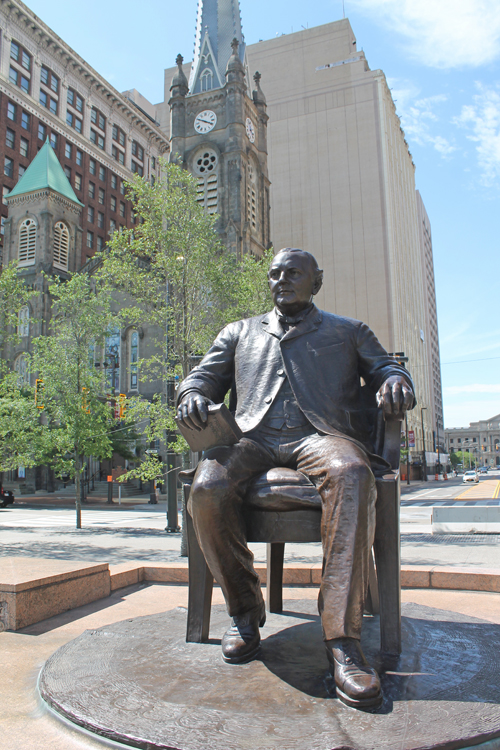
<point>60,519</point>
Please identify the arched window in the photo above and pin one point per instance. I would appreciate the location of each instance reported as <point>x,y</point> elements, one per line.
<point>207,80</point>
<point>206,169</point>
<point>112,361</point>
<point>133,357</point>
<point>61,246</point>
<point>252,196</point>
<point>23,321</point>
<point>27,243</point>
<point>21,366</point>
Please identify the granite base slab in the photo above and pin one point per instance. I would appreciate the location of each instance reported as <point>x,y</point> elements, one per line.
<point>139,683</point>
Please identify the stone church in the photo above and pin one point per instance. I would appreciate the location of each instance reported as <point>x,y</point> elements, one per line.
<point>218,129</point>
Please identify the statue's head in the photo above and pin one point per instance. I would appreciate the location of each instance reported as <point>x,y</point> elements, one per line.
<point>294,278</point>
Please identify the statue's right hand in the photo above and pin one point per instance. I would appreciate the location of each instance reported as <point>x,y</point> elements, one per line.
<point>193,411</point>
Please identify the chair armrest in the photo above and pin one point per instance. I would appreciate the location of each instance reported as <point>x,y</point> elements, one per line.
<point>392,441</point>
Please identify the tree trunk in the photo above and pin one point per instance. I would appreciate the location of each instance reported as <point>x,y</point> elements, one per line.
<point>78,488</point>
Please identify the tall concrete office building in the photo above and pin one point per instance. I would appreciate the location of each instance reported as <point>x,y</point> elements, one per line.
<point>342,185</point>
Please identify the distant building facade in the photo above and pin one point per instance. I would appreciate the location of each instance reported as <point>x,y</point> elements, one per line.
<point>482,439</point>
<point>101,137</point>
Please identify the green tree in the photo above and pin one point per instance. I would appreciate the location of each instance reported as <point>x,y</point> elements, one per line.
<point>77,417</point>
<point>13,296</point>
<point>462,458</point>
<point>173,271</point>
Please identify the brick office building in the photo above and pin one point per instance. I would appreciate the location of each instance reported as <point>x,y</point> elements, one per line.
<point>101,137</point>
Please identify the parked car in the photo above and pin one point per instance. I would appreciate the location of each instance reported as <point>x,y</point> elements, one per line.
<point>483,470</point>
<point>471,476</point>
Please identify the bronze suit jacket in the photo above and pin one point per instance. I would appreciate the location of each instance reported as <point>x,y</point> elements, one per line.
<point>324,357</point>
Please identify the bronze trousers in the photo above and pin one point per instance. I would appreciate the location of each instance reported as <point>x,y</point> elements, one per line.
<point>341,472</point>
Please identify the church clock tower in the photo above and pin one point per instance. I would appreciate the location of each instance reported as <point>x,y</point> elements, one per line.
<point>219,132</point>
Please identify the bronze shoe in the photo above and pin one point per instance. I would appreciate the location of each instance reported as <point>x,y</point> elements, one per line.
<point>357,684</point>
<point>241,643</point>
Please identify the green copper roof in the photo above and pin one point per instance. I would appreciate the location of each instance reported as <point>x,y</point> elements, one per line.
<point>44,172</point>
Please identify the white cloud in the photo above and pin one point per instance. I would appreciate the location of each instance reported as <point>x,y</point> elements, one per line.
<point>454,390</point>
<point>418,116</point>
<point>442,33</point>
<point>482,120</point>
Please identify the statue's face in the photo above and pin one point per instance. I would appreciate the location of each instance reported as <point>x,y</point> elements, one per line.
<point>292,281</point>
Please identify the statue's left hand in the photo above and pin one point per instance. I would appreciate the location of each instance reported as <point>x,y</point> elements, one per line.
<point>395,396</point>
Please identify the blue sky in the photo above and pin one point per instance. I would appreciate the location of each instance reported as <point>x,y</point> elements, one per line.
<point>441,58</point>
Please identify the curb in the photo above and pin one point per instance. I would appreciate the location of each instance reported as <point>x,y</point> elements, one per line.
<point>412,577</point>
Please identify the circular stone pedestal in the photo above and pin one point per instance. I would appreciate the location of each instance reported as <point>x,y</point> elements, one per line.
<point>138,682</point>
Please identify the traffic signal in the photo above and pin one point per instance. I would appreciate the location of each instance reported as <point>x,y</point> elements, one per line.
<point>85,403</point>
<point>121,400</point>
<point>39,393</point>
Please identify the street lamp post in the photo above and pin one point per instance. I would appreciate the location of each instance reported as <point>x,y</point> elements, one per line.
<point>424,463</point>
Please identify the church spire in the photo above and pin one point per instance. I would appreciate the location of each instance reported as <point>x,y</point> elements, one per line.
<point>218,23</point>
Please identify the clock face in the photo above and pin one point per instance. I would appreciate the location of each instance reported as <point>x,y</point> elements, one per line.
<point>205,121</point>
<point>250,130</point>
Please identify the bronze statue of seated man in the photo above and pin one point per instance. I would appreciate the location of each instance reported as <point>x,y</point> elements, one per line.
<point>294,377</point>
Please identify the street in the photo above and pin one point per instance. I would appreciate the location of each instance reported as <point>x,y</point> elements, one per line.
<point>133,533</point>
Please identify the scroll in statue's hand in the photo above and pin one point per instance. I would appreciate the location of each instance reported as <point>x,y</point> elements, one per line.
<point>395,396</point>
<point>193,411</point>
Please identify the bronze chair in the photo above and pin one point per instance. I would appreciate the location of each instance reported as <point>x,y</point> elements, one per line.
<point>287,487</point>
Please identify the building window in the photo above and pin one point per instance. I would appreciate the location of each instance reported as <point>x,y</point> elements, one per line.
<point>73,121</point>
<point>23,322</point>
<point>90,239</point>
<point>112,226</point>
<point>137,151</point>
<point>79,158</point>
<point>67,172</point>
<point>8,169</point>
<point>20,55</point>
<point>112,354</point>
<point>75,100</point>
<point>53,140</point>
<point>122,187</point>
<point>137,168</point>
<point>118,155</point>
<point>101,196</point>
<point>21,366</point>
<point>114,181</point>
<point>42,132</point>
<point>133,359</point>
<point>10,138</point>
<point>2,222</point>
<point>91,190</point>
<point>118,135</point>
<point>97,118</point>
<point>153,162</point>
<point>27,243</point>
<point>21,171</point>
<point>5,190</point>
<point>24,146</point>
<point>50,80</point>
<point>90,215</point>
<point>78,182</point>
<point>48,102</point>
<point>61,246</point>
<point>113,203</point>
<point>25,120</point>
<point>68,149</point>
<point>102,174</point>
<point>100,220</point>
<point>20,80</point>
<point>11,111</point>
<point>206,169</point>
<point>92,166</point>
<point>100,243</point>
<point>122,209</point>
<point>207,80</point>
<point>97,139</point>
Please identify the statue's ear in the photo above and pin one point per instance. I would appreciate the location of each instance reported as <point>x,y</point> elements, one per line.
<point>318,282</point>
